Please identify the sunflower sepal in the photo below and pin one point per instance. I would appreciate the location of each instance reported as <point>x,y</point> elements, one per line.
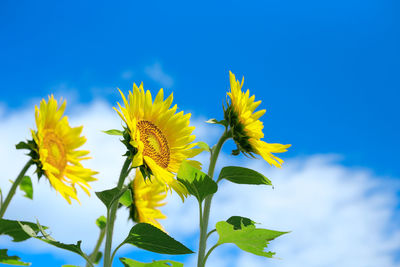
<point>127,141</point>
<point>221,122</point>
<point>114,132</point>
<point>34,154</point>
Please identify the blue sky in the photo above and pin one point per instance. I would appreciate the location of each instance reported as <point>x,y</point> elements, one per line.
<point>326,71</point>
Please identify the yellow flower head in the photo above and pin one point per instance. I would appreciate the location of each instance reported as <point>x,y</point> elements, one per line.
<point>147,198</point>
<point>56,145</point>
<point>246,126</point>
<point>160,137</point>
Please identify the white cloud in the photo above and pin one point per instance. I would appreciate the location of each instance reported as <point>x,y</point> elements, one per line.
<point>339,216</point>
<point>127,75</point>
<point>157,73</point>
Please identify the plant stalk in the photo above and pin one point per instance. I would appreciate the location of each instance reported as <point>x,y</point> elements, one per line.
<point>111,214</point>
<point>92,256</point>
<point>207,202</point>
<point>13,188</point>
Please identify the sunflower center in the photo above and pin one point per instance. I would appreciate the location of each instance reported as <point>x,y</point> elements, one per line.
<point>155,143</point>
<point>56,151</point>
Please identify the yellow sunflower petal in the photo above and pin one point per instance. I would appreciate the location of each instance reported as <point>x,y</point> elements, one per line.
<point>57,143</point>
<point>162,136</point>
<point>246,126</point>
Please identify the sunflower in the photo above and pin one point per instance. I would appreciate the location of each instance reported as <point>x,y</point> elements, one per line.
<point>56,146</point>
<point>246,126</point>
<point>160,138</point>
<point>147,197</point>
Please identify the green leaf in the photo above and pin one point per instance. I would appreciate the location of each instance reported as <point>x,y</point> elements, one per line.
<point>162,263</point>
<point>98,257</point>
<point>76,248</point>
<point>15,230</point>
<point>114,132</point>
<point>42,231</point>
<point>247,238</point>
<point>215,121</point>
<point>11,260</point>
<point>238,221</point>
<point>69,265</point>
<point>26,186</point>
<point>126,198</point>
<point>101,222</point>
<point>241,175</point>
<point>197,182</point>
<point>109,196</point>
<point>204,146</point>
<point>149,237</point>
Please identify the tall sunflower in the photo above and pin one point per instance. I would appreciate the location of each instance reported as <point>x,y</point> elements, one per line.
<point>161,138</point>
<point>246,126</point>
<point>147,198</point>
<point>56,147</point>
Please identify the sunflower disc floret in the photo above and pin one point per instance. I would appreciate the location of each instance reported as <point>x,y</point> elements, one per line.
<point>54,150</point>
<point>159,138</point>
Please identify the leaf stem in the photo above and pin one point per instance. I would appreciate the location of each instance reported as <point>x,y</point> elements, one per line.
<point>207,203</point>
<point>93,255</point>
<point>115,250</point>
<point>111,214</point>
<point>209,233</point>
<point>13,188</point>
<point>208,254</point>
<point>87,260</point>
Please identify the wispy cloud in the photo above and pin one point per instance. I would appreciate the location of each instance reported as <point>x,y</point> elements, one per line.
<point>157,73</point>
<point>127,74</point>
<point>339,216</point>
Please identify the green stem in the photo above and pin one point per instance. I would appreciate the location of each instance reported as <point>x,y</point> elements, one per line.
<point>208,254</point>
<point>115,251</point>
<point>92,256</point>
<point>207,202</point>
<point>87,260</point>
<point>111,214</point>
<point>14,188</point>
<point>209,233</point>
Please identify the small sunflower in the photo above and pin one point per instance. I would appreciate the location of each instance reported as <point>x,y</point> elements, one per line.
<point>158,139</point>
<point>56,146</point>
<point>246,126</point>
<point>147,198</point>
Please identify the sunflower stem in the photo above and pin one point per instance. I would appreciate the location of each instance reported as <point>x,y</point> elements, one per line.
<point>207,203</point>
<point>13,188</point>
<point>92,256</point>
<point>111,215</point>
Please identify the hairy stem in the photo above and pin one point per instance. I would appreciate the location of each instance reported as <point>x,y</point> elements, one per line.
<point>92,256</point>
<point>111,215</point>
<point>13,188</point>
<point>207,202</point>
